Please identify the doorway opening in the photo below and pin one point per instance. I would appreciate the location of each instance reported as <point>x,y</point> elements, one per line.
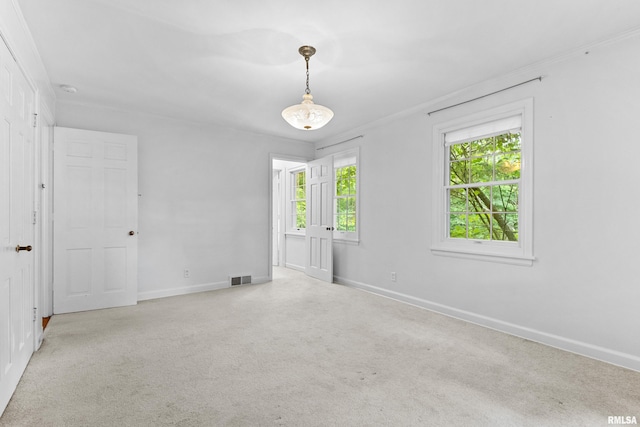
<point>287,230</point>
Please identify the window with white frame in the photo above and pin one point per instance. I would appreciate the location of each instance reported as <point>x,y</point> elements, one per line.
<point>298,200</point>
<point>346,206</point>
<point>484,173</point>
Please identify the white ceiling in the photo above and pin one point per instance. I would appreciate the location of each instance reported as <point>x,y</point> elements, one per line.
<point>236,62</point>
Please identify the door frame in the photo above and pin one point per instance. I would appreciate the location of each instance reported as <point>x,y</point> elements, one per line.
<point>272,157</point>
<point>44,200</point>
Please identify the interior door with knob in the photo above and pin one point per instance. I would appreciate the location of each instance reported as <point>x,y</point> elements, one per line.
<point>17,230</point>
<point>95,204</point>
<point>319,233</point>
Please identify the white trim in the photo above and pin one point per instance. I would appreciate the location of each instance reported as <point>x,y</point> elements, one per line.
<point>603,354</point>
<point>295,234</point>
<point>518,253</point>
<point>255,280</point>
<point>504,259</point>
<point>299,268</point>
<point>172,292</point>
<point>186,290</point>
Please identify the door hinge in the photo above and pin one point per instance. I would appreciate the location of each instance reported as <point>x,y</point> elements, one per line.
<point>35,120</point>
<point>35,217</point>
<point>35,314</point>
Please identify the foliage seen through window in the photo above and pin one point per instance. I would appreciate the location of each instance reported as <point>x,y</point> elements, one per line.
<point>345,198</point>
<point>483,188</point>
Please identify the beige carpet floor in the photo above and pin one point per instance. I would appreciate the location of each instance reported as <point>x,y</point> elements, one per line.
<point>299,352</point>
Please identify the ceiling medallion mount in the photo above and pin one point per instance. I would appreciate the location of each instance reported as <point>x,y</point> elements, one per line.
<point>307,115</point>
<point>307,51</point>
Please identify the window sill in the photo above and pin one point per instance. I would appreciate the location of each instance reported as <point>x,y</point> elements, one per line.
<point>521,260</point>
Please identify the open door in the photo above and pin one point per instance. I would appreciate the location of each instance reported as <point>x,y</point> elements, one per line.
<point>319,234</point>
<point>95,204</point>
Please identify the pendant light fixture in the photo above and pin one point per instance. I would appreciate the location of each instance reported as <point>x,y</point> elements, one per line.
<point>307,115</point>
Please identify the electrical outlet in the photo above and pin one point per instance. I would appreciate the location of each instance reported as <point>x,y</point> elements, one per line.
<point>186,273</point>
<point>394,277</point>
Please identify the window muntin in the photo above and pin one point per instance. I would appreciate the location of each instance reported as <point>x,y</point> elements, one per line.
<point>298,200</point>
<point>483,188</point>
<point>345,198</point>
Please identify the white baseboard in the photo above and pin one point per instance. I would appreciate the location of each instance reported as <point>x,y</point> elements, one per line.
<point>172,292</point>
<point>294,267</point>
<point>260,280</point>
<point>614,357</point>
<point>164,293</point>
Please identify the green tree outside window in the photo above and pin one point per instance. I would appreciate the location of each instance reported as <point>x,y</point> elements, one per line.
<point>345,198</point>
<point>483,188</point>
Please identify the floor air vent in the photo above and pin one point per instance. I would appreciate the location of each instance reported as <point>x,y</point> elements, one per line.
<point>239,280</point>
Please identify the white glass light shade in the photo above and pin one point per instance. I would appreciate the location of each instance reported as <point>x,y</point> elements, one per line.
<point>307,115</point>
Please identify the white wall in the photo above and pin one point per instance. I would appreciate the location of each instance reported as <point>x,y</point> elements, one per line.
<point>583,291</point>
<point>205,194</point>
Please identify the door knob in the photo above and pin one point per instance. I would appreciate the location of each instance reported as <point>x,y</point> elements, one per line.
<point>329,228</point>
<point>23,248</point>
<point>131,233</point>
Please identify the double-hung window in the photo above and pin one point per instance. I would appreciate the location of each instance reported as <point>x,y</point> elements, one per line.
<point>483,194</point>
<point>345,167</point>
<point>298,200</point>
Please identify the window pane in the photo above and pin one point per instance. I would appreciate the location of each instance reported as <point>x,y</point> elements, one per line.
<point>351,205</point>
<point>480,199</point>
<point>301,221</point>
<point>505,227</point>
<point>482,169</point>
<point>457,200</point>
<point>505,198</point>
<point>508,166</point>
<point>351,223</point>
<point>341,206</point>
<point>482,147</point>
<point>344,199</point>
<point>301,214</point>
<point>458,226</point>
<point>508,142</point>
<point>480,226</point>
<point>459,172</point>
<point>459,151</point>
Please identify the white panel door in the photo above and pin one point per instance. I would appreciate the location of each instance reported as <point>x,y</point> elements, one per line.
<point>319,234</point>
<point>17,313</point>
<point>95,254</point>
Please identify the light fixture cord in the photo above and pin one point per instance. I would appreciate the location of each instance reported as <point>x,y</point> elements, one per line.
<point>307,91</point>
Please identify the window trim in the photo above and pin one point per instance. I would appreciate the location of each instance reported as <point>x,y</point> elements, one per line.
<point>347,236</point>
<point>517,253</point>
